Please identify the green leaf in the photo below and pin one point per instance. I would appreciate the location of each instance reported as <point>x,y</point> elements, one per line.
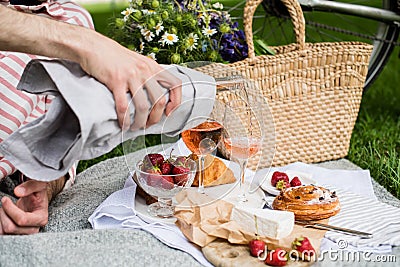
<point>262,47</point>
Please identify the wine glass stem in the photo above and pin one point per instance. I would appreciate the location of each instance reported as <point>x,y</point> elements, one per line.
<point>242,190</point>
<point>201,177</point>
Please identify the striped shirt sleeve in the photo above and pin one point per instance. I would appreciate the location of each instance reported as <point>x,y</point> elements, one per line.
<point>18,108</point>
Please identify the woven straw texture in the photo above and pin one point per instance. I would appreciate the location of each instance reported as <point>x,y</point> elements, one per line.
<point>312,90</point>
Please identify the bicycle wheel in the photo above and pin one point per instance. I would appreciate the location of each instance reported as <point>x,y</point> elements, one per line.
<point>272,24</point>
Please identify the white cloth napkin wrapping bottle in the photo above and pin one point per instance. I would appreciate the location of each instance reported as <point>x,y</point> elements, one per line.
<point>81,122</point>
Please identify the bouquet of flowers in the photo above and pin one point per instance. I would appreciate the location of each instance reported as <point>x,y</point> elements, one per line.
<point>177,31</point>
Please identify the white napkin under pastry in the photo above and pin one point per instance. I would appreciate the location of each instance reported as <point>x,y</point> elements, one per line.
<point>358,201</point>
<point>367,215</point>
<point>360,209</point>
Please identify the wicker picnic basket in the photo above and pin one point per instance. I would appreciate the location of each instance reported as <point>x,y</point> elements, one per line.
<point>312,90</point>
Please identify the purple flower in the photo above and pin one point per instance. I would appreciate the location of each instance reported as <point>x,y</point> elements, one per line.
<point>240,34</point>
<point>214,43</point>
<point>228,36</point>
<point>233,47</point>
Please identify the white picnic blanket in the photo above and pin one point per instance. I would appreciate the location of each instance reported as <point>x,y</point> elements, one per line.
<point>115,212</point>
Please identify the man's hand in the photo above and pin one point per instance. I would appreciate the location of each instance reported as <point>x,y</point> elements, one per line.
<point>29,213</point>
<point>122,71</point>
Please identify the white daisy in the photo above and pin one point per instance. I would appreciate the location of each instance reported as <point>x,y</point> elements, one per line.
<point>192,41</point>
<point>141,47</point>
<point>159,27</point>
<point>147,34</point>
<point>152,56</point>
<point>226,15</point>
<point>209,32</point>
<point>127,12</point>
<point>218,5</point>
<point>148,11</point>
<point>169,38</point>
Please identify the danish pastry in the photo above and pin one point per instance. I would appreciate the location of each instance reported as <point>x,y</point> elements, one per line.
<point>308,202</point>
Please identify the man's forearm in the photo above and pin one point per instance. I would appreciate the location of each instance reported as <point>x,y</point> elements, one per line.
<point>21,32</point>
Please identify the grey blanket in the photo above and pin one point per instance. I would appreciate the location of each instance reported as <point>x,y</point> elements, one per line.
<point>81,122</point>
<point>68,241</point>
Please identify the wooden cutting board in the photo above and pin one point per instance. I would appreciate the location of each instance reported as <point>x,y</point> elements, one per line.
<point>222,253</point>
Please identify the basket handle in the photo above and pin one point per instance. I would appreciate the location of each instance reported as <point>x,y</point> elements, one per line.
<point>295,12</point>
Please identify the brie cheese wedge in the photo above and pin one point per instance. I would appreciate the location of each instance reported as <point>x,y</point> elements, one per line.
<point>270,223</point>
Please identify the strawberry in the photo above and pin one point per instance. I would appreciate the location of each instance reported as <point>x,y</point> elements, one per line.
<point>295,181</point>
<point>181,176</point>
<point>180,170</point>
<point>277,257</point>
<point>156,179</point>
<point>153,176</point>
<point>167,182</point>
<point>180,161</point>
<point>181,180</point>
<point>277,176</point>
<point>153,160</point>
<point>257,247</point>
<point>154,170</point>
<point>282,185</point>
<point>166,167</point>
<point>303,245</point>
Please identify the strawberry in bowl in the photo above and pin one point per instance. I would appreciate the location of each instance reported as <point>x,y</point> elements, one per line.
<point>163,178</point>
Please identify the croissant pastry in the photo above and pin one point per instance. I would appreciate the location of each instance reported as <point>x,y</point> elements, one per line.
<point>308,202</point>
<point>215,172</point>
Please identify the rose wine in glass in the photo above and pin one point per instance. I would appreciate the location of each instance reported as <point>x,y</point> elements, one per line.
<point>202,140</point>
<point>242,147</point>
<point>242,136</point>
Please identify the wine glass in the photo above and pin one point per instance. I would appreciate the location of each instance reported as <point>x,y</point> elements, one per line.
<point>203,140</point>
<point>242,135</point>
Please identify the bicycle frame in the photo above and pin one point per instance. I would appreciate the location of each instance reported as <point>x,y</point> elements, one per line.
<point>352,9</point>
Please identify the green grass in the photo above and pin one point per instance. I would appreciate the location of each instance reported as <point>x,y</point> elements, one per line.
<point>102,13</point>
<point>375,143</point>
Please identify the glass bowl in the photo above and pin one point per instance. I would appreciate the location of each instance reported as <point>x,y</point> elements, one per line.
<point>165,187</point>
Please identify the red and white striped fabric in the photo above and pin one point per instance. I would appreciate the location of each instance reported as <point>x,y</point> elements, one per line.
<point>19,108</point>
